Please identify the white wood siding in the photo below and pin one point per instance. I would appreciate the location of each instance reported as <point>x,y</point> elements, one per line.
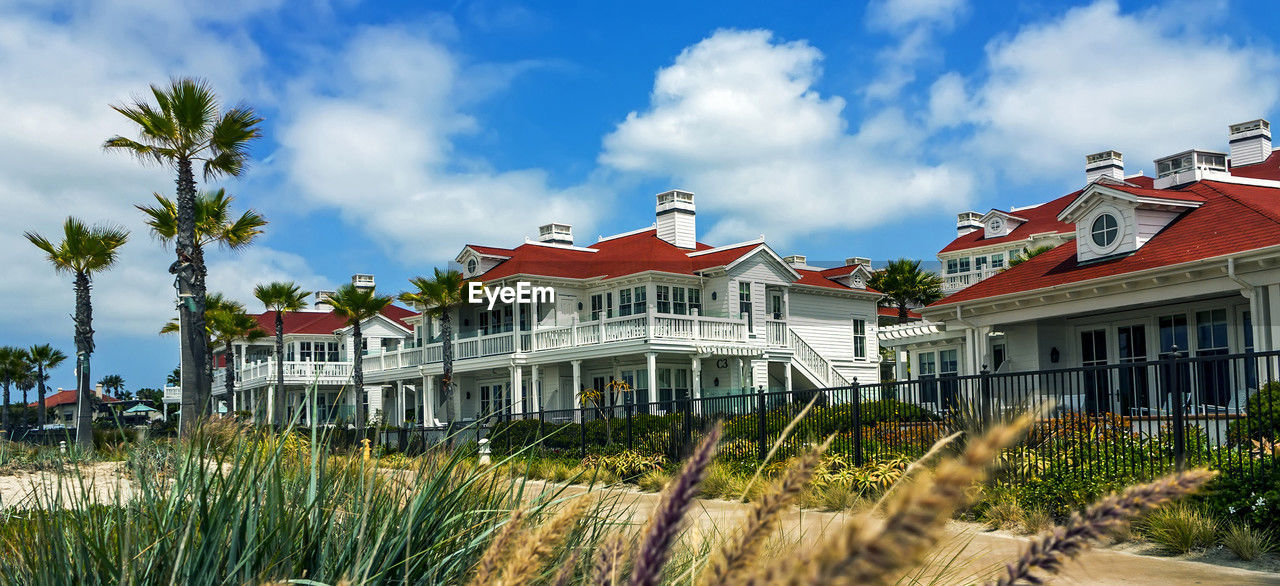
<point>826,324</point>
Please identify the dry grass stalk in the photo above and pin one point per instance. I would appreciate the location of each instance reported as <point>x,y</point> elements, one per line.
<point>609,560</point>
<point>917,466</point>
<point>664,526</point>
<point>740,552</point>
<point>531,553</point>
<point>567,569</point>
<point>1104,517</point>
<point>490,562</point>
<point>871,551</point>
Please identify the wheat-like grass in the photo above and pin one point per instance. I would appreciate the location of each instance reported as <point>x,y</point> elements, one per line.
<point>665,524</point>
<point>531,553</point>
<point>1047,553</point>
<point>491,561</point>
<point>740,551</point>
<point>567,569</point>
<point>609,560</point>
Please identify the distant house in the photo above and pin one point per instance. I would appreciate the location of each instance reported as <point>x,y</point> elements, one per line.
<point>62,404</point>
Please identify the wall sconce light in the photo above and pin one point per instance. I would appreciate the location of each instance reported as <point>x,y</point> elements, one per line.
<point>468,395</point>
<point>713,295</point>
<point>1054,355</point>
<point>579,306</point>
<point>715,381</point>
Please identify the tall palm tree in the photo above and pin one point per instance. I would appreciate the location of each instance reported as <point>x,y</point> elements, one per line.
<point>112,383</point>
<point>904,284</point>
<point>213,302</point>
<point>355,305</point>
<point>280,297</point>
<point>186,125</point>
<point>44,357</point>
<point>13,369</point>
<point>84,250</point>
<point>215,224</point>
<point>438,297</point>
<point>229,325</point>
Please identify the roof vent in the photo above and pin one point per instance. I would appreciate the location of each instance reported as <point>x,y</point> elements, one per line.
<point>676,218</point>
<point>556,234</point>
<point>857,260</point>
<point>1188,167</point>
<point>362,281</point>
<point>1250,142</point>
<point>1108,164</point>
<point>796,260</point>
<point>968,223</point>
<point>321,298</point>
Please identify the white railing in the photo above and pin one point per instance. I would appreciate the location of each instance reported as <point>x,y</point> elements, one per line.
<point>172,394</point>
<point>776,333</point>
<point>819,366</point>
<point>956,282</point>
<point>627,328</point>
<point>497,344</point>
<point>553,338</point>
<point>264,372</point>
<point>309,371</point>
<point>393,359</point>
<point>433,353</point>
<point>673,327</point>
<point>721,330</point>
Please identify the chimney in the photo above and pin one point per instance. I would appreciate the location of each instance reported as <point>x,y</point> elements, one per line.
<point>857,260</point>
<point>321,298</point>
<point>1108,164</point>
<point>1250,142</point>
<point>676,218</point>
<point>796,260</point>
<point>555,234</point>
<point>97,390</point>
<point>362,282</point>
<point>967,223</point>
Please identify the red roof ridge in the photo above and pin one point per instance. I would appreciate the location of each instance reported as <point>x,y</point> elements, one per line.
<point>1268,214</point>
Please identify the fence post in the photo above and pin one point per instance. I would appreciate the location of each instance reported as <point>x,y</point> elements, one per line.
<point>761,451</point>
<point>984,392</point>
<point>857,425</point>
<point>1175,402</point>
<point>582,429</point>
<point>630,407</point>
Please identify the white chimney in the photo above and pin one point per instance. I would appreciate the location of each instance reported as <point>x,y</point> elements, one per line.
<point>1250,142</point>
<point>555,234</point>
<point>796,260</point>
<point>676,218</point>
<point>856,261</point>
<point>321,297</point>
<point>1108,164</point>
<point>362,282</point>
<point>968,222</point>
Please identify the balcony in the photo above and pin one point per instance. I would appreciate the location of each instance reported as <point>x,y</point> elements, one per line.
<point>956,282</point>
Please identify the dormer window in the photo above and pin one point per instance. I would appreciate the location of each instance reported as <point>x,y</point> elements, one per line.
<point>472,265</point>
<point>1105,230</point>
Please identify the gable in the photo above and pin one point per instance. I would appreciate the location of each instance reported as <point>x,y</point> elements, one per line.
<point>762,265</point>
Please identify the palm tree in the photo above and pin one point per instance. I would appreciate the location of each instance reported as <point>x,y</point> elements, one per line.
<point>84,250</point>
<point>1028,254</point>
<point>185,125</point>
<point>280,297</point>
<point>13,369</point>
<point>356,305</point>
<point>213,302</point>
<point>113,384</point>
<point>905,284</point>
<point>229,325</point>
<point>438,297</point>
<point>44,357</point>
<point>215,224</point>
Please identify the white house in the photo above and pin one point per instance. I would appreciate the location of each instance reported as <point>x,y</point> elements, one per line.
<point>1187,259</point>
<point>672,317</point>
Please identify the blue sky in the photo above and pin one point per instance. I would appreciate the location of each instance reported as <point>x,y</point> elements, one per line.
<point>397,132</point>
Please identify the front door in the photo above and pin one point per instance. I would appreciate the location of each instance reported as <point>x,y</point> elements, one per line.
<point>1131,345</point>
<point>1093,352</point>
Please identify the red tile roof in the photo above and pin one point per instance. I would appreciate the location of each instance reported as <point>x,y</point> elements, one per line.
<point>322,322</point>
<point>893,312</point>
<point>1267,169</point>
<point>626,255</point>
<point>67,397</point>
<point>1039,220</point>
<point>1234,218</point>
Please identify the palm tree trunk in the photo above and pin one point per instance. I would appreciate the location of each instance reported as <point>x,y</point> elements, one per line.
<point>191,309</point>
<point>6,406</point>
<point>357,375</point>
<point>84,349</point>
<point>206,382</point>
<point>446,349</point>
<point>230,378</point>
<point>277,400</point>
<point>902,313</point>
<point>40,413</point>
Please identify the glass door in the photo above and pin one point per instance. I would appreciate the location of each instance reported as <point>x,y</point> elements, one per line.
<point>948,369</point>
<point>1093,352</point>
<point>1215,374</point>
<point>1131,345</point>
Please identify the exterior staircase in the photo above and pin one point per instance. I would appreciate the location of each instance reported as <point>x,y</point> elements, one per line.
<point>813,366</point>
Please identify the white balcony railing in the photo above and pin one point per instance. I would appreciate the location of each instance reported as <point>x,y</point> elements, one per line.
<point>172,394</point>
<point>776,333</point>
<point>953,283</point>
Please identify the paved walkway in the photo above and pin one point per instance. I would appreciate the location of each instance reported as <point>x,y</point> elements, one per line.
<point>983,552</point>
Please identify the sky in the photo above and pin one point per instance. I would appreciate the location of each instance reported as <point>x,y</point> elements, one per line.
<point>397,132</point>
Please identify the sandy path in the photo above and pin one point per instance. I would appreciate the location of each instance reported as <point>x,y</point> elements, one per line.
<point>101,482</point>
<point>982,551</point>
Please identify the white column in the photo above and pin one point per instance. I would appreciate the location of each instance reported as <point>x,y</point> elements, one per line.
<point>428,400</point>
<point>695,367</point>
<point>577,390</point>
<point>760,374</point>
<point>400,401</point>
<point>787,377</point>
<point>271,404</point>
<point>517,390</point>
<point>651,365</point>
<point>735,374</point>
<point>900,366</point>
<point>456,399</point>
<point>535,387</point>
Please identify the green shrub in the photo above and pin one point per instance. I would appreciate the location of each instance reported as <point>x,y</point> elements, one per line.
<point>822,420</point>
<point>650,433</point>
<point>1248,492</point>
<point>627,465</point>
<point>1262,417</point>
<point>1004,513</point>
<point>1180,528</point>
<point>654,480</point>
<point>1245,542</point>
<point>1035,521</point>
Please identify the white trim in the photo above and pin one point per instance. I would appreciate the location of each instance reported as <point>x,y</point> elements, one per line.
<point>631,233</point>
<point>728,247</point>
<point>530,241</point>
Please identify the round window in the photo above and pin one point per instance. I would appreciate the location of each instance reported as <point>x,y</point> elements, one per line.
<point>1105,230</point>
<point>471,266</point>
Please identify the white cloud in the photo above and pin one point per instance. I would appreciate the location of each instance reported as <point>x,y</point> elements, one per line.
<point>60,67</point>
<point>898,15</point>
<point>1097,78</point>
<point>736,117</point>
<point>916,25</point>
<point>371,133</point>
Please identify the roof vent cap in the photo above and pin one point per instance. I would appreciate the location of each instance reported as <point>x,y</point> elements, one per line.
<point>555,233</point>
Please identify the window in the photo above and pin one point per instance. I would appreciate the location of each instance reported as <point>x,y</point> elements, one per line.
<point>624,302</point>
<point>1173,334</point>
<point>472,265</point>
<point>1093,352</point>
<point>483,323</point>
<point>678,306</point>
<point>1211,340</point>
<point>979,263</point>
<point>1131,343</point>
<point>304,351</point>
<point>953,266</point>
<point>964,264</point>
<point>664,299</point>
<point>597,306</point>
<point>997,260</point>
<point>508,315</point>
<point>695,301</point>
<point>638,305</point>
<point>1105,229</point>
<point>859,338</point>
<point>775,305</point>
<point>744,302</point>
